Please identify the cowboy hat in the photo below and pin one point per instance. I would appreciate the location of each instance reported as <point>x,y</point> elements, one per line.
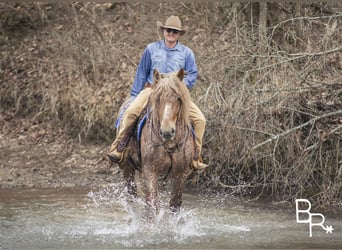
<point>173,22</point>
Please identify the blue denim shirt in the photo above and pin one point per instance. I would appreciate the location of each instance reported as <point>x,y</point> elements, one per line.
<point>165,60</point>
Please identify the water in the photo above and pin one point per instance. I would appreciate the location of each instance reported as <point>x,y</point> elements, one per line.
<point>104,218</point>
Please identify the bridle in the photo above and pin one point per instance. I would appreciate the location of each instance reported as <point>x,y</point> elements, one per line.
<point>156,139</point>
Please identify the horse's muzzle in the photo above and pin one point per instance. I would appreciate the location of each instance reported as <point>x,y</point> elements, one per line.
<point>167,134</point>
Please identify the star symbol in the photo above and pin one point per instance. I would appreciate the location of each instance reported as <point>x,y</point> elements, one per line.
<point>329,229</point>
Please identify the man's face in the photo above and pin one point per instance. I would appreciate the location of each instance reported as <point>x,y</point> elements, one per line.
<point>171,35</point>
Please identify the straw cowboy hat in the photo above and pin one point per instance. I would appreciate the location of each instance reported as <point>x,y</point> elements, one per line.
<point>173,22</point>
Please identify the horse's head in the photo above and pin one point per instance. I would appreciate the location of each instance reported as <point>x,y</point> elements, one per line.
<point>170,102</point>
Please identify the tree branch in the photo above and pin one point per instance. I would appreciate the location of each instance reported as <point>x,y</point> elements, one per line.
<point>313,120</point>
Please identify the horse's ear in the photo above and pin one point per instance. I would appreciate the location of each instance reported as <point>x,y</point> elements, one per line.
<point>180,74</point>
<point>156,76</point>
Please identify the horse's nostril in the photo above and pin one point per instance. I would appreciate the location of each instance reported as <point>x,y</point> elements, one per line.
<point>167,135</point>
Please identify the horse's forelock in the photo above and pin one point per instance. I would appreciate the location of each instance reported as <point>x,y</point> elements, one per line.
<point>170,85</point>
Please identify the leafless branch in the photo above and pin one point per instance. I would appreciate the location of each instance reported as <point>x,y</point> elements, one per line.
<point>312,121</point>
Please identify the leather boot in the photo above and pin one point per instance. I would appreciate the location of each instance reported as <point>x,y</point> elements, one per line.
<point>117,150</point>
<point>199,165</point>
<point>116,153</point>
<point>115,156</point>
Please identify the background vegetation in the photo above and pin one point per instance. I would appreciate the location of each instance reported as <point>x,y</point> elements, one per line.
<point>269,83</point>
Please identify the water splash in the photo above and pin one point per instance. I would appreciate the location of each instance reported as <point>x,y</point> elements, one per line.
<point>133,227</point>
<point>101,219</point>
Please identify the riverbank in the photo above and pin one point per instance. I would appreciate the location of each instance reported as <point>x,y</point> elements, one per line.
<point>43,156</point>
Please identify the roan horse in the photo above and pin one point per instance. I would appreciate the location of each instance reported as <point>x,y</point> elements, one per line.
<point>166,145</point>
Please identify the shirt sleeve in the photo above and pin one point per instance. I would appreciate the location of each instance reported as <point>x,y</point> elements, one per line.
<point>191,70</point>
<point>142,73</point>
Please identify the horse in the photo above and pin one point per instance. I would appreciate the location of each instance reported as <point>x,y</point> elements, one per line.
<point>166,146</point>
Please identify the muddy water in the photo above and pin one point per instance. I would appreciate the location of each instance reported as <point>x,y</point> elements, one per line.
<point>104,218</point>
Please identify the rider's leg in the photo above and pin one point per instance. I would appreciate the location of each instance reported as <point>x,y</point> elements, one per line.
<point>131,114</point>
<point>198,121</point>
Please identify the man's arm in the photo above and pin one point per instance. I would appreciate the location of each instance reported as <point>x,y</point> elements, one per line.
<point>191,70</point>
<point>142,73</point>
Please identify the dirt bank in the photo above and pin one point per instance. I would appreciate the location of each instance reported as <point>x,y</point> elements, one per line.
<point>39,156</point>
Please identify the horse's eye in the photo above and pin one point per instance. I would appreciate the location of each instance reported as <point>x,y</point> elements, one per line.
<point>179,100</point>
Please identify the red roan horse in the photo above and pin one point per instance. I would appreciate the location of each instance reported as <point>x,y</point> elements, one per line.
<point>166,144</point>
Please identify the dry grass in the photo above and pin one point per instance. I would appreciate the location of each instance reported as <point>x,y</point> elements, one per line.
<point>274,122</point>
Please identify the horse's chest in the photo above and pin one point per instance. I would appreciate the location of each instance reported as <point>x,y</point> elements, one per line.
<point>164,157</point>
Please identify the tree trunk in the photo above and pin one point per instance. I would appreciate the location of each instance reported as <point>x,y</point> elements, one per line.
<point>263,29</point>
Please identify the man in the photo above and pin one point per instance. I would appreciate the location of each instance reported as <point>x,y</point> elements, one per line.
<point>166,56</point>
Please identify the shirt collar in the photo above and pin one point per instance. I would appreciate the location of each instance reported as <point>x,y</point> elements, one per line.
<point>166,48</point>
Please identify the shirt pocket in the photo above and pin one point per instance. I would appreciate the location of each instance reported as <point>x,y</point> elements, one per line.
<point>180,62</point>
<point>157,60</point>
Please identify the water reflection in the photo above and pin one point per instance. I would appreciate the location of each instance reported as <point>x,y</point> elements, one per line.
<point>105,218</point>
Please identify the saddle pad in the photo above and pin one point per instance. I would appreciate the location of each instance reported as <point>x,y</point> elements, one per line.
<point>140,126</point>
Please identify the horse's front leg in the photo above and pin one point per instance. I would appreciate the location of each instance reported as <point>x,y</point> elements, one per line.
<point>129,176</point>
<point>150,181</point>
<point>176,195</point>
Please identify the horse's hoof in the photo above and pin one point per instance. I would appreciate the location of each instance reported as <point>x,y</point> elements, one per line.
<point>129,221</point>
<point>181,222</point>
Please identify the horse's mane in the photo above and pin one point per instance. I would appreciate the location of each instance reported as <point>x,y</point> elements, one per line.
<point>167,86</point>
